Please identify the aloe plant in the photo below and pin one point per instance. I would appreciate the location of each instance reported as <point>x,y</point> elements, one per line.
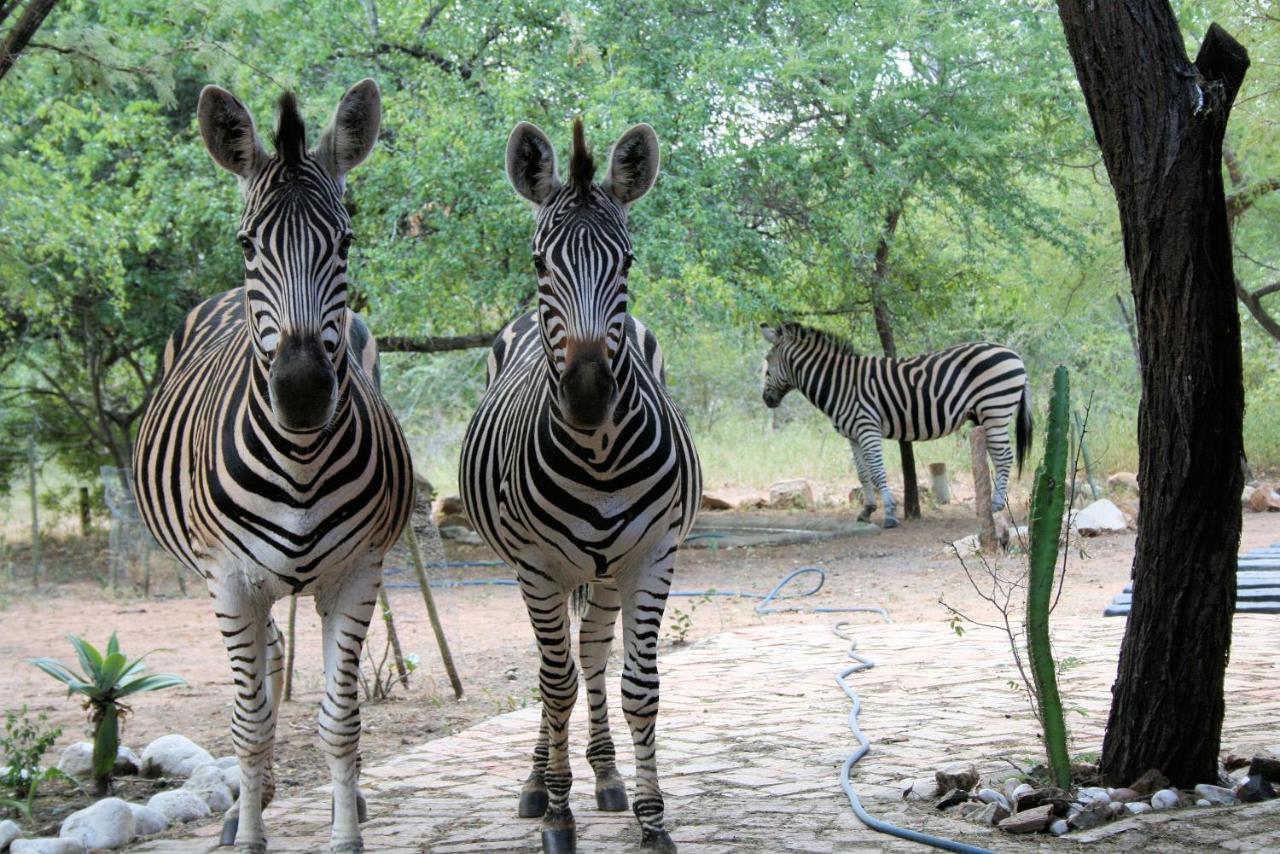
<point>1047,500</point>
<point>107,679</point>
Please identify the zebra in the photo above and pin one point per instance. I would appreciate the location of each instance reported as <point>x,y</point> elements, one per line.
<point>267,460</point>
<point>577,468</point>
<point>924,397</point>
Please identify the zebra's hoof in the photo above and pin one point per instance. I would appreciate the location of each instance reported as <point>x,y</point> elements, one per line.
<point>659,841</point>
<point>362,807</point>
<point>560,841</point>
<point>351,846</point>
<point>612,797</point>
<point>865,515</point>
<point>533,802</point>
<point>229,827</point>
<point>252,847</point>
<point>889,522</point>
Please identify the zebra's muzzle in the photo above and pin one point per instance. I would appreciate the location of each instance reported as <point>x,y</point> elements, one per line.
<point>771,398</point>
<point>303,384</point>
<point>588,391</point>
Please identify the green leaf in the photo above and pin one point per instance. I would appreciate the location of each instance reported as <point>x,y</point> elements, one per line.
<point>74,681</point>
<point>90,658</point>
<point>153,682</point>
<point>113,645</point>
<point>112,668</point>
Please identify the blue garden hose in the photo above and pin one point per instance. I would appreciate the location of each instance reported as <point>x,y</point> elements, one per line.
<point>861,663</point>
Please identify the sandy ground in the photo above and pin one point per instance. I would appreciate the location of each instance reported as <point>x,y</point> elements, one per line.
<point>908,571</point>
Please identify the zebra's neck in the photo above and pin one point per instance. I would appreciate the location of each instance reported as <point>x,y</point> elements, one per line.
<point>829,380</point>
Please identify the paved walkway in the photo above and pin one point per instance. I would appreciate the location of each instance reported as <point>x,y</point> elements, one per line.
<point>752,735</point>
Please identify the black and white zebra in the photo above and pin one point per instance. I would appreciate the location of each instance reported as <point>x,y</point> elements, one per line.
<point>869,398</point>
<point>267,460</point>
<point>578,469</point>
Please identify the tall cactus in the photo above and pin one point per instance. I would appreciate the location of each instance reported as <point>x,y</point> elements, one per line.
<point>1047,501</point>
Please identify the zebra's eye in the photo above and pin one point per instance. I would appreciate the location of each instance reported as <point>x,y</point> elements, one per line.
<point>539,264</point>
<point>246,244</point>
<point>344,246</point>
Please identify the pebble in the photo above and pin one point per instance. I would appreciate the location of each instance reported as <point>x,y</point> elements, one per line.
<point>991,796</point>
<point>1165,799</point>
<point>106,824</point>
<point>148,821</point>
<point>1137,807</point>
<point>951,798</point>
<point>1028,821</point>
<point>959,776</point>
<point>9,831</point>
<point>77,761</point>
<point>1093,794</point>
<point>180,805</point>
<point>989,814</point>
<point>1123,795</point>
<point>1216,795</point>
<point>208,782</point>
<point>47,845</point>
<point>173,756</point>
<point>1059,827</point>
<point>1201,802</point>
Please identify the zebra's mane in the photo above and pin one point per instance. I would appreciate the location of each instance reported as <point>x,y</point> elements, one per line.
<point>807,333</point>
<point>582,166</point>
<point>291,132</point>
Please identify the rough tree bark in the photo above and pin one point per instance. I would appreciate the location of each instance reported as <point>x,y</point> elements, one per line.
<point>884,329</point>
<point>433,344</point>
<point>23,31</point>
<point>1159,120</point>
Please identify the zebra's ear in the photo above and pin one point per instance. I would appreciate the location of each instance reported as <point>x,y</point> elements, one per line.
<point>531,163</point>
<point>633,164</point>
<point>229,133</point>
<point>770,334</point>
<point>354,129</point>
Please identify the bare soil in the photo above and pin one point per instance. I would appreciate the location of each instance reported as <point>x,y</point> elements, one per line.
<point>909,571</point>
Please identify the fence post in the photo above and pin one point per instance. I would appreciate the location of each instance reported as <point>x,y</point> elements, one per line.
<point>939,485</point>
<point>987,540</point>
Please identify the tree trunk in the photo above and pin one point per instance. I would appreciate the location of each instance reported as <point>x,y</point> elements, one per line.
<point>1159,121</point>
<point>987,539</point>
<point>23,31</point>
<point>884,329</point>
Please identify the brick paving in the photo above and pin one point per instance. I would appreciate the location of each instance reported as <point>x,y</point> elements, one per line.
<point>752,735</point>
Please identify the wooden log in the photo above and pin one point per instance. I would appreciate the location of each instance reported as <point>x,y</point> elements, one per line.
<point>424,584</point>
<point>987,539</point>
<point>938,483</point>
<point>401,669</point>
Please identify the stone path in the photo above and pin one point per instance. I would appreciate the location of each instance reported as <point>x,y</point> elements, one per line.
<point>752,735</point>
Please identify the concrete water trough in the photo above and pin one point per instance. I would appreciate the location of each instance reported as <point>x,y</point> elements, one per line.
<point>727,530</point>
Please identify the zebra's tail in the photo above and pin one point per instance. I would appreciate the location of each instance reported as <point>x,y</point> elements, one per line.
<point>581,599</point>
<point>1024,429</point>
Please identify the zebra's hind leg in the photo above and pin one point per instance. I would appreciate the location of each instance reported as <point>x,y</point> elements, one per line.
<point>275,672</point>
<point>595,640</point>
<point>533,795</point>
<point>345,607</point>
<point>864,478</point>
<point>244,619</point>
<point>1002,455</point>
<point>645,596</point>
<point>558,683</point>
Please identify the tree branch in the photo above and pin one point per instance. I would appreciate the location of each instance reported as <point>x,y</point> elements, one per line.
<point>23,31</point>
<point>434,343</point>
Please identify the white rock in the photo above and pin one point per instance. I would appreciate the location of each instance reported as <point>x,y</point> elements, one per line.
<point>1020,790</point>
<point>148,820</point>
<point>1093,794</point>
<point>1100,517</point>
<point>791,494</point>
<point>173,756</point>
<point>180,805</point>
<point>231,777</point>
<point>1137,807</point>
<point>9,831</point>
<point>1216,795</point>
<point>209,784</point>
<point>106,824</point>
<point>1203,803</point>
<point>227,762</point>
<point>47,845</point>
<point>1165,799</point>
<point>967,545</point>
<point>127,762</point>
<point>991,796</point>
<point>1059,827</point>
<point>77,761</point>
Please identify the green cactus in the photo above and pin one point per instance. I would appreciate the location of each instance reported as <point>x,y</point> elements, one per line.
<point>1047,500</point>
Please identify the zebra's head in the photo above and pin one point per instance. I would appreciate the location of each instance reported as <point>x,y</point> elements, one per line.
<point>778,379</point>
<point>582,254</point>
<point>295,234</point>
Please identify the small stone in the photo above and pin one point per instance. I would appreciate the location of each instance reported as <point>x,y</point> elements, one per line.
<point>951,798</point>
<point>1216,795</point>
<point>1093,814</point>
<point>47,845</point>
<point>127,763</point>
<point>1059,827</point>
<point>1149,783</point>
<point>208,782</point>
<point>227,762</point>
<point>1203,803</point>
<point>1114,809</point>
<point>77,761</point>
<point>106,824</point>
<point>9,831</point>
<point>1093,794</point>
<point>1028,821</point>
<point>231,777</point>
<point>148,821</point>
<point>1059,798</point>
<point>989,814</point>
<point>1251,790</point>
<point>959,776</point>
<point>1100,517</point>
<point>173,756</point>
<point>1137,807</point>
<point>1123,795</point>
<point>967,809</point>
<point>180,805</point>
<point>1165,799</point>
<point>792,495</point>
<point>991,796</point>
<point>1019,791</point>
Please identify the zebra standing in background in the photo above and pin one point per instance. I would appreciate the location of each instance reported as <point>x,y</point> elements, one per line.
<point>924,397</point>
<point>578,469</point>
<point>267,460</point>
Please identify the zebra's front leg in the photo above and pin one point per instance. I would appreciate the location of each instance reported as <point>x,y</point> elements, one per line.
<point>595,640</point>
<point>275,673</point>
<point>558,683</point>
<point>244,619</point>
<point>645,595</point>
<point>1002,455</point>
<point>864,478</point>
<point>345,607</point>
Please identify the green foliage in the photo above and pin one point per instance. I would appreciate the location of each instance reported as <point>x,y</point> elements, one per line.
<point>1047,502</point>
<point>22,745</point>
<point>106,680</point>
